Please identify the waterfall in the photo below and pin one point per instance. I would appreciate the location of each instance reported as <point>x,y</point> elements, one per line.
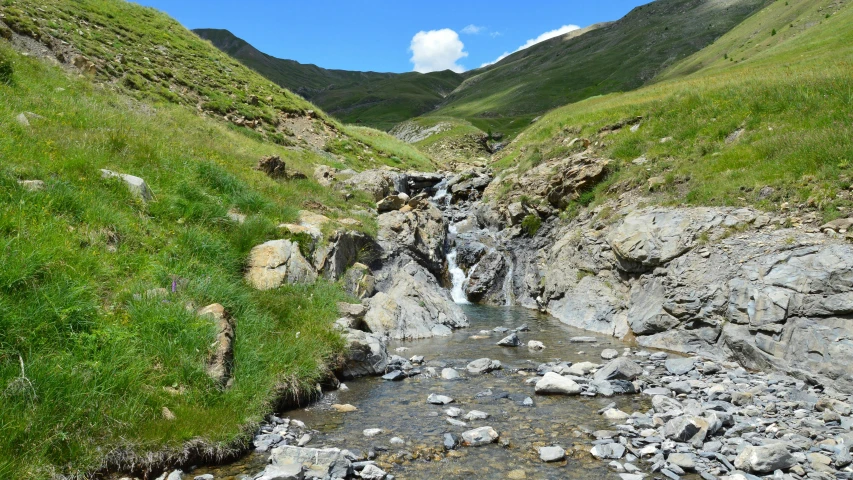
<point>440,196</point>
<point>457,278</point>
<point>457,275</point>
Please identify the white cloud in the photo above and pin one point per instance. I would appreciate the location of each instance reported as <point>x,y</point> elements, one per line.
<point>533,41</point>
<point>472,29</point>
<point>437,50</point>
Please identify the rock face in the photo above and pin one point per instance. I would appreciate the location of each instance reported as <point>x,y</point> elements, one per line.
<point>721,283</point>
<point>419,234</point>
<point>412,306</point>
<point>341,252</point>
<point>221,359</point>
<point>277,262</point>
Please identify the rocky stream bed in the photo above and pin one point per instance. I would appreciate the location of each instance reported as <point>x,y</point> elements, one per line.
<point>653,343</point>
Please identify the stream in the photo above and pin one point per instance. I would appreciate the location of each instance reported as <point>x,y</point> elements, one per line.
<point>401,410</point>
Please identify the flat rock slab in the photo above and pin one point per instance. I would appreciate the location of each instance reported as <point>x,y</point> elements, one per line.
<point>765,459</point>
<point>551,454</point>
<point>680,366</point>
<point>608,451</point>
<point>483,365</point>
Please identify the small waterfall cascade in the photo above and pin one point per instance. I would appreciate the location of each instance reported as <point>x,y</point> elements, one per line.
<point>441,196</point>
<point>457,275</point>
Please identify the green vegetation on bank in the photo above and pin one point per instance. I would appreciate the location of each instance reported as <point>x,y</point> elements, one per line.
<point>782,117</point>
<point>87,360</point>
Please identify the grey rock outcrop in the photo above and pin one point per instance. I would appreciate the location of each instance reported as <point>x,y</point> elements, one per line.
<point>277,262</point>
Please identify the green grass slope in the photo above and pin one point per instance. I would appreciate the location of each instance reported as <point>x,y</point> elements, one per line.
<point>378,100</point>
<point>88,361</point>
<point>619,56</point>
<point>84,365</point>
<point>790,99</point>
<point>150,56</point>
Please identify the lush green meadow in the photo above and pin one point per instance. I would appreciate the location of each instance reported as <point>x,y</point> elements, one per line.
<point>793,101</point>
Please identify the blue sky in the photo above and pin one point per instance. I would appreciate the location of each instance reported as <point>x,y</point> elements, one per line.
<point>392,36</point>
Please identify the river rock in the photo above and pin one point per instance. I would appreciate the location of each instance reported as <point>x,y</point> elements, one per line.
<point>765,458</point>
<point>609,354</point>
<point>436,399</point>
<point>479,436</point>
<point>372,472</point>
<point>535,345</point>
<point>476,415</point>
<point>551,454</point>
<point>685,428</point>
<point>608,451</point>
<point>680,366</point>
<point>372,432</point>
<point>344,408</point>
<point>394,376</point>
<point>621,368</point>
<point>510,341</point>
<point>483,365</point>
<point>687,461</point>
<point>449,374</point>
<point>319,460</point>
<point>366,354</point>
<point>554,383</point>
<point>277,262</point>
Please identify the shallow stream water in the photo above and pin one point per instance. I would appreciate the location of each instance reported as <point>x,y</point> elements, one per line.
<point>401,410</point>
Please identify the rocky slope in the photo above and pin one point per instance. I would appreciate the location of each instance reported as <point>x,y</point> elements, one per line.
<point>771,291</point>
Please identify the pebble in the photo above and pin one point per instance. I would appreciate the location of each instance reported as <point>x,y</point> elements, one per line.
<point>551,454</point>
<point>436,399</point>
<point>372,432</point>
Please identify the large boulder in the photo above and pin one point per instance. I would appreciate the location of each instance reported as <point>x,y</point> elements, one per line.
<point>413,305</point>
<point>366,354</point>
<point>621,368</point>
<point>485,276</point>
<point>378,183</point>
<point>651,237</point>
<point>277,262</point>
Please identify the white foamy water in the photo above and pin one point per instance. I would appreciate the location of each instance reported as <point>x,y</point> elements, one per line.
<point>457,278</point>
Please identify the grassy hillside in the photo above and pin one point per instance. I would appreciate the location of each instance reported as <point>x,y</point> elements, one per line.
<point>148,55</point>
<point>781,116</point>
<point>378,100</point>
<point>89,356</point>
<point>619,56</point>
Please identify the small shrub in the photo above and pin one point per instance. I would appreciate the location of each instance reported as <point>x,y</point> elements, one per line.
<point>530,225</point>
<point>773,33</point>
<point>586,198</point>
